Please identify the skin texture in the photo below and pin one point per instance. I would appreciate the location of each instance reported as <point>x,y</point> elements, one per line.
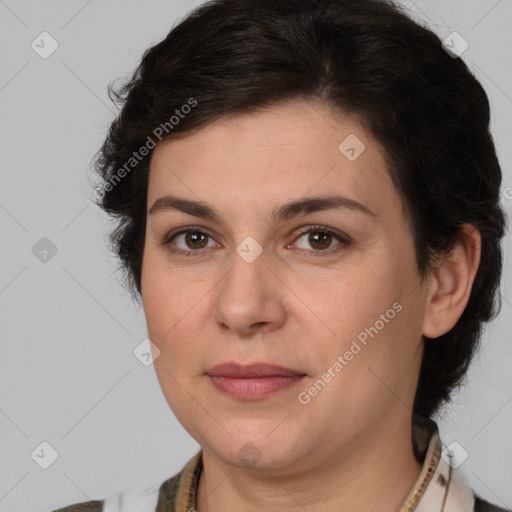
<point>300,304</point>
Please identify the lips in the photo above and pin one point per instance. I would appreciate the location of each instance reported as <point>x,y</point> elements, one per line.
<point>235,370</point>
<point>252,382</point>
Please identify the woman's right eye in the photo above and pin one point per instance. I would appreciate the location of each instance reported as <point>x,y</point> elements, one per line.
<point>192,241</point>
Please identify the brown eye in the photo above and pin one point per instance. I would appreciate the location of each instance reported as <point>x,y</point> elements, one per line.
<point>320,239</point>
<point>195,240</point>
<point>189,241</point>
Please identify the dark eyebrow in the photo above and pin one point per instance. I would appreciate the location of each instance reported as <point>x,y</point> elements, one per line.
<point>283,212</point>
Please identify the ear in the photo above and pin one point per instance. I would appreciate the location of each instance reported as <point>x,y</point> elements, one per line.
<point>451,283</point>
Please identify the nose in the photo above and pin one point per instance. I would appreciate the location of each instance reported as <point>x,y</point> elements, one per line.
<point>250,298</point>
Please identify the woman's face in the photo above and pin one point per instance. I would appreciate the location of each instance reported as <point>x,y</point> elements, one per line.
<point>329,291</point>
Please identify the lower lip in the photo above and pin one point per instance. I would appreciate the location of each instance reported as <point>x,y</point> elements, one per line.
<point>254,388</point>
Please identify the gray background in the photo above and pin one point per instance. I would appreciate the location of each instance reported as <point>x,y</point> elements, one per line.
<point>68,375</point>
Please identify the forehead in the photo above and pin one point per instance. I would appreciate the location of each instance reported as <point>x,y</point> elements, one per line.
<point>294,149</point>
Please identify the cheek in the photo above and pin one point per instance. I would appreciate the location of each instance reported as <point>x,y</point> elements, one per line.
<point>157,306</point>
<point>164,296</point>
<point>373,321</point>
<point>355,300</point>
<point>173,313</point>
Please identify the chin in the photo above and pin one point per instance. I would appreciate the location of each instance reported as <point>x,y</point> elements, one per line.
<point>260,446</point>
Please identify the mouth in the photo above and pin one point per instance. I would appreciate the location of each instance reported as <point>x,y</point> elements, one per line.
<point>252,382</point>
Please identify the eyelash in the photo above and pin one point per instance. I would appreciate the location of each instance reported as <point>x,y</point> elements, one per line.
<point>344,240</point>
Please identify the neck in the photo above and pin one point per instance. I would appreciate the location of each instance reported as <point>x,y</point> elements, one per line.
<point>374,472</point>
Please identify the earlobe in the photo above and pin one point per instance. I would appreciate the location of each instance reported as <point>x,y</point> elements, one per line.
<point>451,283</point>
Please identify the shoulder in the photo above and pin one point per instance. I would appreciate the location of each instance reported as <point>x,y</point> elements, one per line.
<point>86,506</point>
<point>139,499</point>
<point>484,506</point>
<point>160,496</point>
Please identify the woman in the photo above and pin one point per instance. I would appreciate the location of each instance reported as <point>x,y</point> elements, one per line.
<point>308,196</point>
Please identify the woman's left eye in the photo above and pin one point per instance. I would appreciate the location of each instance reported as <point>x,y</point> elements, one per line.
<point>320,239</point>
